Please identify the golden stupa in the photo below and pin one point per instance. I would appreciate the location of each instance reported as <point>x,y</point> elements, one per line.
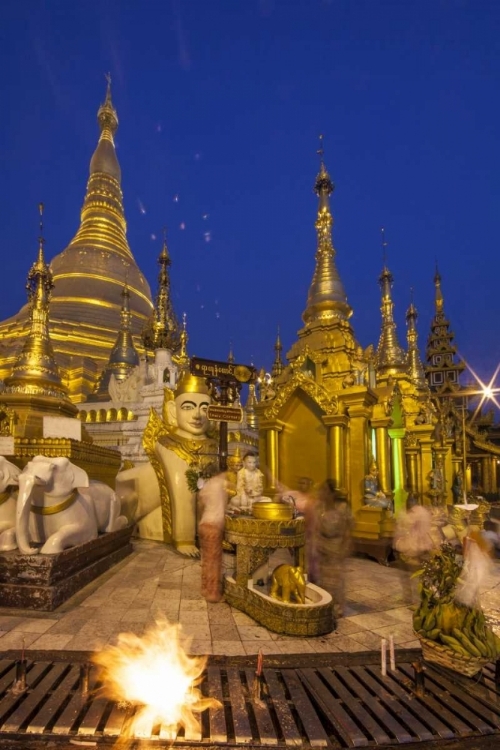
<point>89,276</point>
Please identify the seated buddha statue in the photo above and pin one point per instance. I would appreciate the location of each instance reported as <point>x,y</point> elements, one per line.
<point>249,485</point>
<point>374,496</point>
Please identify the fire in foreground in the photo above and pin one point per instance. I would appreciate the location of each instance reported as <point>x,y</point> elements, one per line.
<point>156,674</point>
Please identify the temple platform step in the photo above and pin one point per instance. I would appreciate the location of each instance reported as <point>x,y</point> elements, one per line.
<point>44,582</point>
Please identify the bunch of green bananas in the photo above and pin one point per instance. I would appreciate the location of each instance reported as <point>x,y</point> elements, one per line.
<point>439,575</point>
<point>463,629</point>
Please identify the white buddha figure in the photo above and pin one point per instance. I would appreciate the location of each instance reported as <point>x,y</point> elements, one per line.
<point>249,484</point>
<point>174,444</point>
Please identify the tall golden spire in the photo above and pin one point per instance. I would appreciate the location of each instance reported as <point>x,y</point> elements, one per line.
<point>414,363</point>
<point>230,356</point>
<point>277,368</point>
<point>181,358</point>
<point>391,358</point>
<point>327,298</point>
<point>35,372</point>
<point>162,330</point>
<point>124,357</point>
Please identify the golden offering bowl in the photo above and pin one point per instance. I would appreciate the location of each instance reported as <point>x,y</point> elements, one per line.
<point>272,511</point>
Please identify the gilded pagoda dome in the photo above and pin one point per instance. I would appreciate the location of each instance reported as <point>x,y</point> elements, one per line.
<point>89,276</point>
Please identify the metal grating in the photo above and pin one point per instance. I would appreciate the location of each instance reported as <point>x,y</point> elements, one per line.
<point>336,706</point>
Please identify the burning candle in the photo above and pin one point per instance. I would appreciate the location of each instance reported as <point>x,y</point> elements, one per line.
<point>391,653</point>
<point>383,656</point>
<point>259,663</point>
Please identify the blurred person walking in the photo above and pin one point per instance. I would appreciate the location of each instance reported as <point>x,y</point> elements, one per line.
<point>213,499</point>
<point>333,526</point>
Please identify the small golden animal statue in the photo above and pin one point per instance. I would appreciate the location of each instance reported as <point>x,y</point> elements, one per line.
<point>288,582</point>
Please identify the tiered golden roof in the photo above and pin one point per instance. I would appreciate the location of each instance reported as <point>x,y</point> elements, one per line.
<point>88,277</point>
<point>414,363</point>
<point>391,358</point>
<point>326,347</point>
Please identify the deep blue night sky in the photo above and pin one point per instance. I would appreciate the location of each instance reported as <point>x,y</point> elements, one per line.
<point>220,104</point>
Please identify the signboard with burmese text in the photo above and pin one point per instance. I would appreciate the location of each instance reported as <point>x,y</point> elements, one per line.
<point>218,413</point>
<point>211,368</point>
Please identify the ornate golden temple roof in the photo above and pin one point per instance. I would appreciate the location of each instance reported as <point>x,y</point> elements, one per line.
<point>89,276</point>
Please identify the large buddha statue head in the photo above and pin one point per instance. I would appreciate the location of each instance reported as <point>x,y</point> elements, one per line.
<point>187,411</point>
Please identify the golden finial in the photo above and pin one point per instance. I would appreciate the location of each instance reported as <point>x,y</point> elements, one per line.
<point>41,240</point>
<point>320,151</point>
<point>230,356</point>
<point>384,246</point>
<point>106,115</point>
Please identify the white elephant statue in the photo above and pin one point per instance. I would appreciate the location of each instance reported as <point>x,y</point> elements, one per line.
<point>9,473</point>
<point>59,507</point>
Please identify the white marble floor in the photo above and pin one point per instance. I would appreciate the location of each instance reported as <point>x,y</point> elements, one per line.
<point>155,582</point>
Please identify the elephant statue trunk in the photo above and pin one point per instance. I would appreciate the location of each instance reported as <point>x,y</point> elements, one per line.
<point>26,484</point>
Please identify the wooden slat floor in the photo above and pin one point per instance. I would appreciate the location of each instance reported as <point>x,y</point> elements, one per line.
<point>334,706</point>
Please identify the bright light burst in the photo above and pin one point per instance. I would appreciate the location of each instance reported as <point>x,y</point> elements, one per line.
<point>487,390</point>
<point>155,673</point>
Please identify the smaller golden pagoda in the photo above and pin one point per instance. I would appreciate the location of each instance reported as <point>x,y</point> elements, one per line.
<point>35,388</point>
<point>162,330</point>
<point>123,358</point>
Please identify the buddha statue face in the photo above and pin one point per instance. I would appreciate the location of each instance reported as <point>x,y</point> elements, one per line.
<point>188,411</point>
<point>250,462</point>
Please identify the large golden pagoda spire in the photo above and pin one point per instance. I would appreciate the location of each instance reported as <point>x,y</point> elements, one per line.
<point>414,363</point>
<point>162,330</point>
<point>35,372</point>
<point>123,358</point>
<point>327,298</point>
<point>391,358</point>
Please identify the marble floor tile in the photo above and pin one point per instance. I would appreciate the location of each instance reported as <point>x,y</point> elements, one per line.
<point>267,647</point>
<point>49,642</point>
<point>228,648</point>
<point>222,632</point>
<point>254,633</point>
<point>35,626</point>
<point>373,621</point>
<point>17,639</point>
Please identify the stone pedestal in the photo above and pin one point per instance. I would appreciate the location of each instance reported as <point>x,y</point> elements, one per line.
<point>43,582</point>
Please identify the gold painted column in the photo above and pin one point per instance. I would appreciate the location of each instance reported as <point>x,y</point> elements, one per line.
<point>494,480</point>
<point>336,447</point>
<point>425,438</point>
<point>359,402</point>
<point>411,456</point>
<point>398,465</point>
<point>271,430</point>
<point>486,466</point>
<point>383,444</point>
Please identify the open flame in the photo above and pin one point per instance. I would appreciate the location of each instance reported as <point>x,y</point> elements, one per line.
<point>155,673</point>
